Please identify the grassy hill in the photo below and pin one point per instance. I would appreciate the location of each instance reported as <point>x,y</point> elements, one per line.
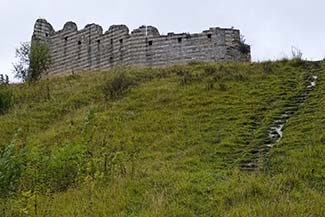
<point>165,142</point>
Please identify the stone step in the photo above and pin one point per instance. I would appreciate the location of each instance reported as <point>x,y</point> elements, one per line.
<point>275,130</point>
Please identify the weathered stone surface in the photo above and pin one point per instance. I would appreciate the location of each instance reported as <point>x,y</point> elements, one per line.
<point>89,48</point>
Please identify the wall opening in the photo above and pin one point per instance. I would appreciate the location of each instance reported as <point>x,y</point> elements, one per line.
<point>46,35</point>
<point>111,60</point>
<point>209,36</point>
<point>66,38</point>
<point>179,40</point>
<point>121,41</point>
<point>150,43</point>
<point>79,42</point>
<point>98,41</point>
<point>111,41</point>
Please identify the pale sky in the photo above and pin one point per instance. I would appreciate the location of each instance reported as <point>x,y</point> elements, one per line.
<point>271,27</point>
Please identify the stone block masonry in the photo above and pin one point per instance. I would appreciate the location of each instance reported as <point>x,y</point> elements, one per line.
<point>91,49</point>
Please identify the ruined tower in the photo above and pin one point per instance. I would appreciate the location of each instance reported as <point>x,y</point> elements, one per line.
<point>91,49</point>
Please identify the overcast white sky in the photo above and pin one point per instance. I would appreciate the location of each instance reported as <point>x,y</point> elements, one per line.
<point>272,27</point>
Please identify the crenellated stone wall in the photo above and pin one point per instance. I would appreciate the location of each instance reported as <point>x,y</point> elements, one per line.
<point>91,49</point>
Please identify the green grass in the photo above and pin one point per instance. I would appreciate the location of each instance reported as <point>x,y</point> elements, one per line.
<point>164,142</point>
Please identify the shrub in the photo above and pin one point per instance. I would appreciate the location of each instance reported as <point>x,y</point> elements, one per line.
<point>12,160</point>
<point>39,60</point>
<point>4,79</point>
<point>114,88</point>
<point>235,74</point>
<point>223,87</point>
<point>209,69</point>
<point>296,53</point>
<point>322,138</point>
<point>244,48</point>
<point>195,63</point>
<point>186,78</point>
<point>66,165</point>
<point>267,67</point>
<point>10,170</point>
<point>33,60</point>
<point>5,99</point>
<point>210,83</point>
<point>297,62</point>
<point>53,170</point>
<point>178,70</point>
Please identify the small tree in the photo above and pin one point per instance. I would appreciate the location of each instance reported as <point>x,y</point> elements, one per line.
<point>296,53</point>
<point>244,47</point>
<point>33,60</point>
<point>4,79</point>
<point>22,65</point>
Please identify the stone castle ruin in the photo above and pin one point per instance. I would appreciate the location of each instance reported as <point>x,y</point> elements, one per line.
<point>91,49</point>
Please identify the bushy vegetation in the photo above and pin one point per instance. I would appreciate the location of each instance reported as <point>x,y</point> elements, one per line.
<point>164,142</point>
<point>115,86</point>
<point>33,61</point>
<point>4,79</point>
<point>5,98</point>
<point>244,47</point>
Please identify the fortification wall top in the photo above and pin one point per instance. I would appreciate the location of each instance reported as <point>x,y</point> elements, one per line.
<point>91,48</point>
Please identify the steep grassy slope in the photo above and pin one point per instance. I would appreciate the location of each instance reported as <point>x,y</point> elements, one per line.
<point>164,142</point>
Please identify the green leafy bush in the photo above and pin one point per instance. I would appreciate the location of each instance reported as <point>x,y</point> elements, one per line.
<point>5,99</point>
<point>65,166</point>
<point>12,161</point>
<point>4,79</point>
<point>268,67</point>
<point>33,60</point>
<point>244,48</point>
<point>116,86</point>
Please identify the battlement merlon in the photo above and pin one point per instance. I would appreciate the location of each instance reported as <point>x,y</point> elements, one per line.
<point>91,48</point>
<point>42,30</point>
